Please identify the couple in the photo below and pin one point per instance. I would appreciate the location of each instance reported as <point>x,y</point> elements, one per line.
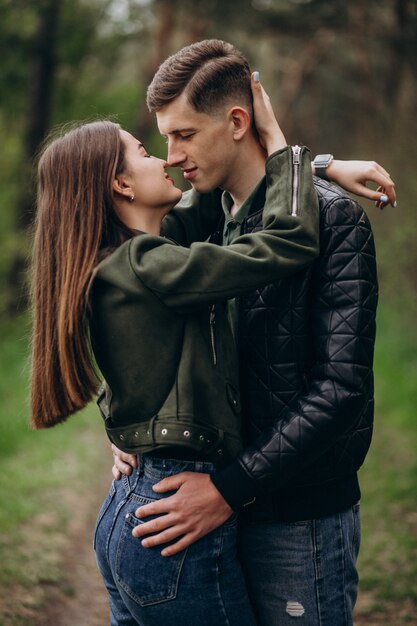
<point>152,314</point>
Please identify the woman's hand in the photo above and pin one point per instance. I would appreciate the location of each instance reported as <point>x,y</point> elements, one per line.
<point>270,134</point>
<point>354,176</point>
<point>124,463</point>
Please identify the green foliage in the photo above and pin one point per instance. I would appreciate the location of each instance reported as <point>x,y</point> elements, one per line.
<point>17,24</point>
<point>14,339</point>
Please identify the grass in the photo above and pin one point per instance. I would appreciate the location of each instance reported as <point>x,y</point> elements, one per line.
<point>44,475</point>
<point>388,559</point>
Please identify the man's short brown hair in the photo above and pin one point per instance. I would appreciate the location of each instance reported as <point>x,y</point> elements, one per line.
<point>210,73</point>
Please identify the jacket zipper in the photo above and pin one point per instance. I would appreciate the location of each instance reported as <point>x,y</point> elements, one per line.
<point>213,332</point>
<point>296,151</point>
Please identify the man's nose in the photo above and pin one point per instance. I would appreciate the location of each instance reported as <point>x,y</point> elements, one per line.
<point>176,156</point>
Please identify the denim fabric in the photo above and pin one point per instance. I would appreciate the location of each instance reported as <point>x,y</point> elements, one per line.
<point>301,572</point>
<point>203,585</point>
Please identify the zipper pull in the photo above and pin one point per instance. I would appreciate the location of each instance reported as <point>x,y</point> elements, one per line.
<point>296,151</point>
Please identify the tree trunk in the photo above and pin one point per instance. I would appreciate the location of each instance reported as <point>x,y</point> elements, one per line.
<point>37,123</point>
<point>39,100</point>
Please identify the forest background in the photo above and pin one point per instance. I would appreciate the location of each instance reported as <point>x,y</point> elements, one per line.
<point>342,76</point>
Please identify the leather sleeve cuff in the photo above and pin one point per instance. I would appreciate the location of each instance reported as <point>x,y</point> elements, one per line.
<point>234,484</point>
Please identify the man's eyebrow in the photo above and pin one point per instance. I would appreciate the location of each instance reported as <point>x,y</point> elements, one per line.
<point>178,131</point>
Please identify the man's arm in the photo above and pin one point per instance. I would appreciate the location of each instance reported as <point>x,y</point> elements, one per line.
<point>343,322</point>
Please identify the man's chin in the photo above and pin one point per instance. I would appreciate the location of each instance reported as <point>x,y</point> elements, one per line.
<point>202,187</point>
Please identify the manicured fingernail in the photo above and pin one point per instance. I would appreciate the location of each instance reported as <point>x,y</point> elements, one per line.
<point>394,204</point>
<point>383,198</point>
<point>256,77</point>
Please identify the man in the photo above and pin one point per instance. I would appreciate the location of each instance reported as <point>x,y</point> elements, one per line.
<point>306,351</point>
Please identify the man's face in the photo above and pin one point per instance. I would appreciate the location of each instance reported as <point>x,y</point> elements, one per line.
<point>201,145</point>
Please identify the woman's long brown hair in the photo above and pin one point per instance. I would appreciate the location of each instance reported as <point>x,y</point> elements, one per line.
<point>74,221</point>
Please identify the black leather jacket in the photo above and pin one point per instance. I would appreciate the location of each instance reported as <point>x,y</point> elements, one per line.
<point>306,347</point>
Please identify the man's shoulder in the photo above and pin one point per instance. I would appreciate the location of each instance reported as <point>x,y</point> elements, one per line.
<point>337,207</point>
<point>329,193</point>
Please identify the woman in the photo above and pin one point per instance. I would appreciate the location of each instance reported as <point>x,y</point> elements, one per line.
<point>108,289</point>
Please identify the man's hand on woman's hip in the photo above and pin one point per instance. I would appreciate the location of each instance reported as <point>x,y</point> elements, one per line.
<point>195,509</point>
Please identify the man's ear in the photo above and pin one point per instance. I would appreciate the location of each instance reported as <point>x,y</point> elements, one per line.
<point>121,185</point>
<point>240,119</point>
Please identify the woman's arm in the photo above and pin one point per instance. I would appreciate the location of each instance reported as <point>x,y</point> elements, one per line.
<point>188,277</point>
<point>354,176</point>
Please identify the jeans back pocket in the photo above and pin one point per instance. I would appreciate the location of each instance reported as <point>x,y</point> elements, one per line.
<point>143,573</point>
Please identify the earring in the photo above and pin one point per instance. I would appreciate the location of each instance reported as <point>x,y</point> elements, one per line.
<point>132,197</point>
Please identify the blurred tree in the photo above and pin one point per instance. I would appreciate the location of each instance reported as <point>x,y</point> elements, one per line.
<point>42,74</point>
<point>163,28</point>
<point>42,66</point>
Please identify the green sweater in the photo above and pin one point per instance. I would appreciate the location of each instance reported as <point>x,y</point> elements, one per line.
<point>160,332</point>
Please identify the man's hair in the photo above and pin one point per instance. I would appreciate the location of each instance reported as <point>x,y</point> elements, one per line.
<point>210,73</point>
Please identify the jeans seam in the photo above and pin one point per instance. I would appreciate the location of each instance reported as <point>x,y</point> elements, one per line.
<point>316,567</point>
<point>355,531</point>
<point>227,622</point>
<point>109,500</point>
<point>343,543</point>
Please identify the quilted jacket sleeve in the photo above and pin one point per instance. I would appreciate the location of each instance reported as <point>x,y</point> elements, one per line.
<point>344,298</point>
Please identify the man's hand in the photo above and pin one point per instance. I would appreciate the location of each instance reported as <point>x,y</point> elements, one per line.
<point>354,176</point>
<point>123,463</point>
<point>195,509</point>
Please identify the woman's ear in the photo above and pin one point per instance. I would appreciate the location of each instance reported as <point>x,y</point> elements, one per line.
<point>122,187</point>
<point>240,119</point>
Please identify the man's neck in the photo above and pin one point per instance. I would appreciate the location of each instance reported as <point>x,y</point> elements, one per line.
<point>247,174</point>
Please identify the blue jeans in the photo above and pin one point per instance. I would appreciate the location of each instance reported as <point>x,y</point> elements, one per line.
<point>301,572</point>
<point>201,586</point>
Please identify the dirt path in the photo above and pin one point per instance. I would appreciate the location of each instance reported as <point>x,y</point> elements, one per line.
<point>82,601</point>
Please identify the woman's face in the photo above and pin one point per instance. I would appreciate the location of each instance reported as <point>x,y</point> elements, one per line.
<point>145,175</point>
